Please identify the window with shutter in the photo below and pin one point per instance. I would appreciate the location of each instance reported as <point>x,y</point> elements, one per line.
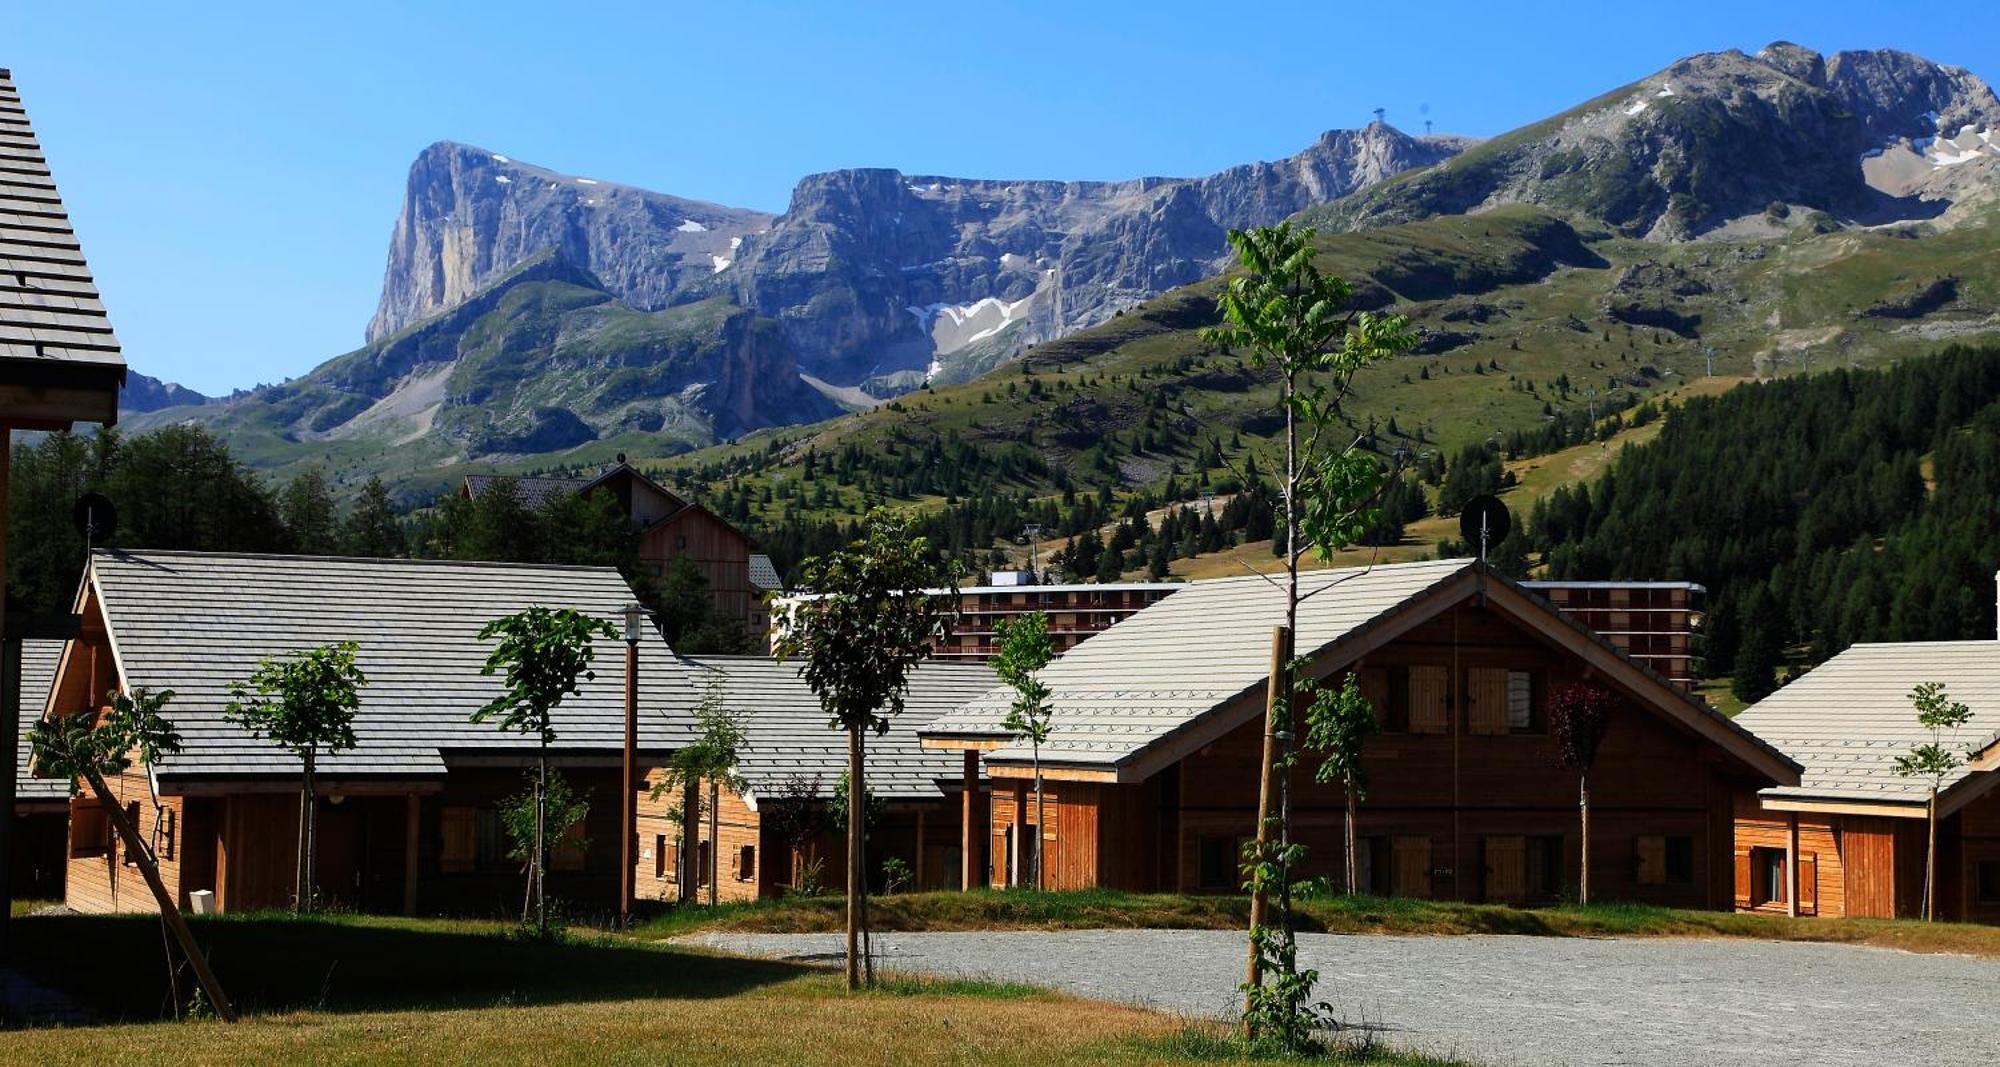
<point>456,826</point>
<point>1651,852</point>
<point>1429,700</point>
<point>89,828</point>
<point>660,864</point>
<point>1486,700</point>
<point>1808,883</point>
<point>1743,878</point>
<point>746,863</point>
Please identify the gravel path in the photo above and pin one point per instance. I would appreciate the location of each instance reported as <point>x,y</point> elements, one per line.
<point>1520,1000</point>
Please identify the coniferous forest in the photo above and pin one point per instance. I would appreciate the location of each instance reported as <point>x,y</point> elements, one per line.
<point>1820,511</point>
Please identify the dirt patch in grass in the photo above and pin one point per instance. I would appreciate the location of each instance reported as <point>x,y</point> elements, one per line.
<point>1101,909</point>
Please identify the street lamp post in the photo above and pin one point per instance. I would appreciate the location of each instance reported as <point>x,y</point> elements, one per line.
<point>628,823</point>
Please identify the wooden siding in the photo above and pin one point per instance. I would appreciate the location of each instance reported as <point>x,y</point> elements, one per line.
<point>722,554</point>
<point>99,880</point>
<point>1824,869</point>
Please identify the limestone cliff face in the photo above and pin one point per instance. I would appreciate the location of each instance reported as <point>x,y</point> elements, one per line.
<point>884,279</point>
<point>1718,137</point>
<point>470,215</point>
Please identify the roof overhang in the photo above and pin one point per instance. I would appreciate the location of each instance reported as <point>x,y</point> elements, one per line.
<point>327,785</point>
<point>1809,805</point>
<point>966,742</point>
<point>58,394</point>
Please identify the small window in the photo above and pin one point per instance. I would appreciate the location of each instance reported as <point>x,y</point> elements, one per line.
<point>1987,890</point>
<point>167,827</point>
<point>659,855</point>
<point>746,863</point>
<point>458,827</point>
<point>1767,876</point>
<point>1680,860</point>
<point>1543,869</point>
<point>1521,703</point>
<point>89,828</point>
<point>1396,719</point>
<point>703,857</point>
<point>1219,863</point>
<point>131,819</point>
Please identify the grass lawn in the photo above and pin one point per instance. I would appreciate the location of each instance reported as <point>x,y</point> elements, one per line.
<point>345,989</point>
<point>1027,910</point>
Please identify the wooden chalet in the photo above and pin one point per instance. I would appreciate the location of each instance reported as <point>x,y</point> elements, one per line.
<point>1849,839</point>
<point>60,365</point>
<point>38,848</point>
<point>1153,760</point>
<point>670,526</point>
<point>407,819</point>
<point>792,758</point>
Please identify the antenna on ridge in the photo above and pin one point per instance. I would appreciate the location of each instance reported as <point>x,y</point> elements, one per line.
<point>1379,112</point>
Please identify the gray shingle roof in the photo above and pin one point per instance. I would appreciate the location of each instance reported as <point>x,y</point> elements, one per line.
<point>787,734</point>
<point>49,308</point>
<point>1148,676</point>
<point>195,622</point>
<point>532,492</point>
<point>38,669</point>
<point>764,573</point>
<point>1849,718</point>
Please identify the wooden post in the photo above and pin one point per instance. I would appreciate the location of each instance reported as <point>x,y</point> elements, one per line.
<point>1274,701</point>
<point>1021,845</point>
<point>690,838</point>
<point>920,851</point>
<point>857,818</point>
<point>1792,865</point>
<point>134,846</point>
<point>628,810</point>
<point>413,809</point>
<point>968,849</point>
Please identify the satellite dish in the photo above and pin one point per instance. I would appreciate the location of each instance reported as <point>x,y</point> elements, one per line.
<point>1484,523</point>
<point>95,518</point>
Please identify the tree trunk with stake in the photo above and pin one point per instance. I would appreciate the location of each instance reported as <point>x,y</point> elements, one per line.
<point>1348,843</point>
<point>1281,650</point>
<point>1583,804</point>
<point>303,896</point>
<point>714,841</point>
<point>1930,861</point>
<point>856,886</point>
<point>690,872</point>
<point>542,840</point>
<point>1041,817</point>
<point>149,868</point>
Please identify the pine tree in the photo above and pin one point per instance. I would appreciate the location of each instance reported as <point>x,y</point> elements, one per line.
<point>372,528</point>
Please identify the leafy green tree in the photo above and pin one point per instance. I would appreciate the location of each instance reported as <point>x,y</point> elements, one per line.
<point>1942,717</point>
<point>866,628</point>
<point>688,616</point>
<point>306,508</point>
<point>1293,316</point>
<point>1579,714</point>
<point>544,654</point>
<point>1339,722</point>
<point>83,748</point>
<point>710,759</point>
<point>305,702</point>
<point>1025,648</point>
<point>561,810</point>
<point>372,529</point>
<point>179,487</point>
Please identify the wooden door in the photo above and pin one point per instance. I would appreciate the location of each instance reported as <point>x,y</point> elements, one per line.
<point>338,833</point>
<point>1506,868</point>
<point>1412,872</point>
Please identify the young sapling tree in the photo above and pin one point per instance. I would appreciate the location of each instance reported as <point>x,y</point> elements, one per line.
<point>1338,722</point>
<point>305,701</point>
<point>1579,714</point>
<point>1934,760</point>
<point>544,655</point>
<point>875,614</point>
<point>1025,648</point>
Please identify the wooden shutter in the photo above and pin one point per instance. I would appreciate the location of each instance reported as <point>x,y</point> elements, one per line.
<point>1413,866</point>
<point>457,828</point>
<point>1808,883</point>
<point>1506,868</point>
<point>1486,700</point>
<point>1652,856</point>
<point>1430,689</point>
<point>1743,879</point>
<point>660,865</point>
<point>1375,689</point>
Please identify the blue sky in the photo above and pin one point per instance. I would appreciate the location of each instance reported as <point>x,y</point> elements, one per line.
<point>234,173</point>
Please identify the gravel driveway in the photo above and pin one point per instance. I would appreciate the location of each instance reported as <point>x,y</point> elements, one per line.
<point>1520,1000</point>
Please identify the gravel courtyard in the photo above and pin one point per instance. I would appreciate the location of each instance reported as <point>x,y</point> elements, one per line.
<point>1519,1000</point>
